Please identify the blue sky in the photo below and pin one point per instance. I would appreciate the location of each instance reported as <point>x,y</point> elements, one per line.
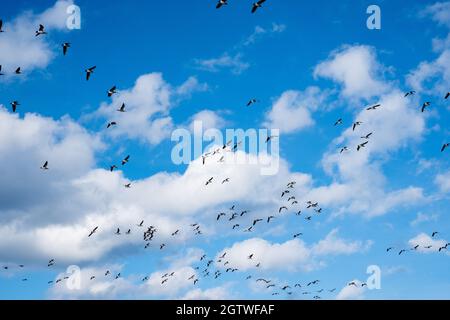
<point>307,64</point>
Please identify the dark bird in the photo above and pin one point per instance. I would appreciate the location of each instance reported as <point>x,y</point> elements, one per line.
<point>118,231</point>
<point>353,283</point>
<point>221,3</point>
<point>344,149</point>
<point>45,166</point>
<point>243,212</point>
<point>281,208</point>
<point>235,226</point>
<point>375,107</point>
<point>434,233</point>
<point>41,30</point>
<point>110,124</point>
<point>270,218</point>
<point>122,108</point>
<point>209,181</point>
<point>401,251</point>
<point>222,214</point>
<point>445,146</point>
<point>367,136</point>
<point>92,232</point>
<point>1,74</point>
<point>252,101</point>
<point>141,224</point>
<point>226,180</point>
<point>447,95</point>
<point>112,91</point>
<point>1,26</point>
<point>65,46</point>
<point>128,232</point>
<point>18,71</point>
<point>285,192</point>
<point>250,256</point>
<point>128,185</point>
<point>175,233</point>
<point>257,5</point>
<point>89,72</point>
<point>410,93</point>
<point>357,123</point>
<point>425,105</point>
<point>270,138</point>
<point>249,229</point>
<point>338,122</point>
<point>256,221</point>
<point>92,278</point>
<point>362,145</point>
<point>298,235</point>
<point>125,160</point>
<point>14,105</point>
<point>389,249</point>
<point>162,246</point>
<point>111,168</point>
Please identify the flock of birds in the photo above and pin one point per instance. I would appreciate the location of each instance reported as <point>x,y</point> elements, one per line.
<point>234,218</point>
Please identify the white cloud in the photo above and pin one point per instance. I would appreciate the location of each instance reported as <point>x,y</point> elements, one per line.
<point>234,63</point>
<point>333,245</point>
<point>260,32</point>
<point>218,293</point>
<point>292,111</point>
<point>148,103</point>
<point>440,13</point>
<point>351,292</point>
<point>18,45</point>
<point>209,120</point>
<point>356,68</point>
<point>442,180</point>
<point>422,217</point>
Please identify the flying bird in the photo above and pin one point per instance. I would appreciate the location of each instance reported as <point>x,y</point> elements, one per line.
<point>445,146</point>
<point>1,26</point>
<point>41,30</point>
<point>128,185</point>
<point>447,95</point>
<point>344,149</point>
<point>221,3</point>
<point>281,208</point>
<point>338,122</point>
<point>367,136</point>
<point>18,71</point>
<point>92,232</point>
<point>209,181</point>
<point>122,108</point>
<point>110,124</point>
<point>257,5</point>
<point>65,46</point>
<point>14,105</point>
<point>89,72</point>
<point>1,74</point>
<point>410,93</point>
<point>270,218</point>
<point>111,168</point>
<point>375,107</point>
<point>45,166</point>
<point>112,91</point>
<point>425,105</point>
<point>362,145</point>
<point>125,160</point>
<point>251,102</point>
<point>357,123</point>
<point>434,233</point>
<point>270,138</point>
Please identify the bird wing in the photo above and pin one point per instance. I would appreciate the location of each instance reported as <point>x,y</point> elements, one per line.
<point>261,1</point>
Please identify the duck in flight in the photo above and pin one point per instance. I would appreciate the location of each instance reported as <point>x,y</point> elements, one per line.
<point>410,93</point>
<point>221,3</point>
<point>425,105</point>
<point>18,71</point>
<point>40,31</point>
<point>125,160</point>
<point>338,122</point>
<point>112,91</point>
<point>110,124</point>
<point>362,145</point>
<point>367,136</point>
<point>65,46</point>
<point>251,102</point>
<point>357,123</point>
<point>210,180</point>
<point>257,5</point>
<point>45,166</point>
<point>14,105</point>
<point>445,146</point>
<point>375,107</point>
<point>92,232</point>
<point>122,108</point>
<point>89,72</point>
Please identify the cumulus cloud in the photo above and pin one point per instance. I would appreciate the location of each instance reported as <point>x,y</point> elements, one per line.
<point>209,120</point>
<point>18,45</point>
<point>442,180</point>
<point>423,240</point>
<point>148,105</point>
<point>356,69</point>
<point>292,111</point>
